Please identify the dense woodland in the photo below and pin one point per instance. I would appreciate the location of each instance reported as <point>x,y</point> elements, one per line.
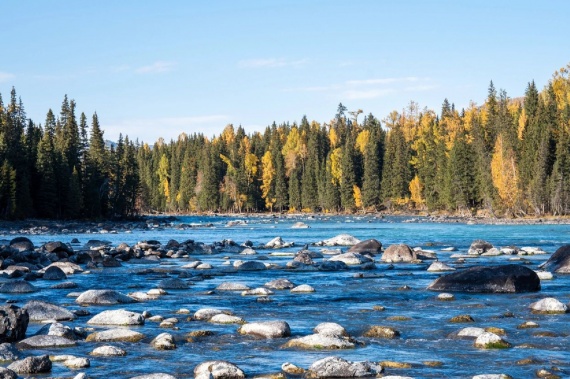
<point>507,157</point>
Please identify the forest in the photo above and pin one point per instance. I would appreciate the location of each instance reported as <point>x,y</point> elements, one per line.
<point>505,158</point>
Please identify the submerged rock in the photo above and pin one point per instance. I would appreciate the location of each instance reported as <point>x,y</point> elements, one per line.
<point>399,253</point>
<point>559,262</point>
<point>489,279</point>
<point>267,329</point>
<point>336,367</point>
<point>218,370</point>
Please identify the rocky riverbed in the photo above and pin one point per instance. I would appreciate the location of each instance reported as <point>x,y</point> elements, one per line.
<point>322,307</point>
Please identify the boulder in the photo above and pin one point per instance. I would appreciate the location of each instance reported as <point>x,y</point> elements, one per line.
<point>320,341</point>
<point>559,262</point>
<point>109,351</point>
<point>479,247</point>
<point>57,329</point>
<point>117,317</point>
<point>335,367</point>
<point>439,267</point>
<point>251,266</point>
<point>54,273</point>
<point>300,225</point>
<point>340,240</point>
<point>549,305</point>
<point>7,373</point>
<point>158,375</point>
<point>257,292</point>
<point>489,340</point>
<point>226,319</point>
<point>330,329</point>
<point>31,365</point>
<point>378,331</point>
<point>67,267</point>
<point>218,370</point>
<point>115,335</point>
<point>267,329</point>
<point>303,288</point>
<point>13,323</point>
<point>44,342</point>
<point>40,311</point>
<point>351,259</point>
<point>370,246</point>
<point>228,286</point>
<point>304,257</point>
<point>173,284</point>
<point>17,286</point>
<point>280,284</point>
<point>399,253</point>
<point>489,279</point>
<point>77,362</point>
<point>208,313</point>
<point>22,244</point>
<point>276,242</point>
<point>103,297</point>
<point>291,369</point>
<point>470,332</point>
<point>163,341</point>
<point>8,352</point>
<point>332,266</point>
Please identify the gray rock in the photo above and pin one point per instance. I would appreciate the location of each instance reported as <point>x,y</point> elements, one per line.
<point>226,319</point>
<point>351,259</point>
<point>109,351</point>
<point>303,288</point>
<point>335,367</point>
<point>8,352</point>
<point>115,335</point>
<point>332,266</point>
<point>45,341</point>
<point>267,329</point>
<point>103,297</point>
<point>173,284</point>
<point>559,262</point>
<point>330,329</point>
<point>399,253</point>
<point>300,225</point>
<point>57,329</point>
<point>67,267</point>
<point>22,244</point>
<point>275,243</point>
<point>208,313</point>
<point>479,247</point>
<point>31,365</point>
<point>549,305</point>
<point>17,286</point>
<point>117,317</point>
<point>77,362</point>
<point>320,341</point>
<point>251,266</point>
<point>54,273</point>
<point>257,292</point>
<point>40,311</point>
<point>7,373</point>
<point>163,341</point>
<point>228,286</point>
<point>371,246</point>
<point>340,240</point>
<point>280,284</point>
<point>13,323</point>
<point>304,257</point>
<point>218,370</point>
<point>158,375</point>
<point>489,340</point>
<point>439,266</point>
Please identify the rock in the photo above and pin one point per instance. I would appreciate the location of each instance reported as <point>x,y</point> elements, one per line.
<point>351,258</point>
<point>103,297</point>
<point>228,286</point>
<point>40,311</point>
<point>13,323</point>
<point>7,373</point>
<point>492,376</point>
<point>236,223</point>
<point>320,341</point>
<point>248,251</point>
<point>559,262</point>
<point>163,341</point>
<point>489,279</point>
<point>17,286</point>
<point>208,313</point>
<point>218,370</point>
<point>300,225</point>
<point>470,332</point>
<point>67,267</point>
<point>276,242</point>
<point>445,297</point>
<point>492,252</point>
<point>303,288</point>
<point>479,247</point>
<point>370,246</point>
<point>439,267</point>
<point>173,284</point>
<point>330,329</point>
<point>31,365</point>
<point>77,363</point>
<point>8,352</point>
<point>251,266</point>
<point>54,273</point>
<point>267,329</point>
<point>303,257</point>
<point>489,340</point>
<point>109,351</point>
<point>279,284</point>
<point>332,266</point>
<point>158,375</point>
<point>45,341</point>
<point>528,325</point>
<point>226,319</point>
<point>549,305</point>
<point>335,367</point>
<point>340,240</point>
<point>117,317</point>
<point>399,253</point>
<point>115,335</point>
<point>377,331</point>
<point>58,329</point>
<point>257,292</point>
<point>544,275</point>
<point>291,369</point>
<point>22,244</point>
<point>461,318</point>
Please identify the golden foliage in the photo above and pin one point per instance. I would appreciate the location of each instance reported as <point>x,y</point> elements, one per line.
<point>505,174</point>
<point>416,189</point>
<point>357,196</point>
<point>268,173</point>
<point>229,134</point>
<point>336,165</point>
<point>362,140</point>
<point>334,137</point>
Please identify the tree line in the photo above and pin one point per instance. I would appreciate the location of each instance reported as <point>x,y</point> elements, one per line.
<point>506,157</point>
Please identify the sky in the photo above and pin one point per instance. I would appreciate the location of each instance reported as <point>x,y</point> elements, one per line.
<point>155,69</point>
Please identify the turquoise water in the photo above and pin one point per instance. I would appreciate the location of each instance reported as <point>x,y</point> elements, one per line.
<point>339,297</point>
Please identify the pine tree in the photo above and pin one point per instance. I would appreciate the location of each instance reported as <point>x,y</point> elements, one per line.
<point>47,195</point>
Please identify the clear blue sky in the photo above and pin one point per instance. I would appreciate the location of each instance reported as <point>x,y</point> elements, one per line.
<point>155,68</point>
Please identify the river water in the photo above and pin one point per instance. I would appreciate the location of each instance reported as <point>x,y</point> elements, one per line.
<point>340,297</point>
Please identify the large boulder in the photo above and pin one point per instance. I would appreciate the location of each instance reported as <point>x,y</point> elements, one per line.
<point>280,284</point>
<point>250,266</point>
<point>321,341</point>
<point>31,365</point>
<point>489,279</point>
<point>335,367</point>
<point>54,273</point>
<point>44,342</point>
<point>22,244</point>
<point>164,341</point>
<point>41,311</point>
<point>17,286</point>
<point>157,375</point>
<point>559,262</point>
<point>13,323</point>
<point>231,286</point>
<point>479,247</point>
<point>117,317</point>
<point>399,253</point>
<point>115,335</point>
<point>340,240</point>
<point>549,305</point>
<point>267,329</point>
<point>218,370</point>
<point>103,297</point>
<point>108,351</point>
<point>352,259</point>
<point>370,246</point>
